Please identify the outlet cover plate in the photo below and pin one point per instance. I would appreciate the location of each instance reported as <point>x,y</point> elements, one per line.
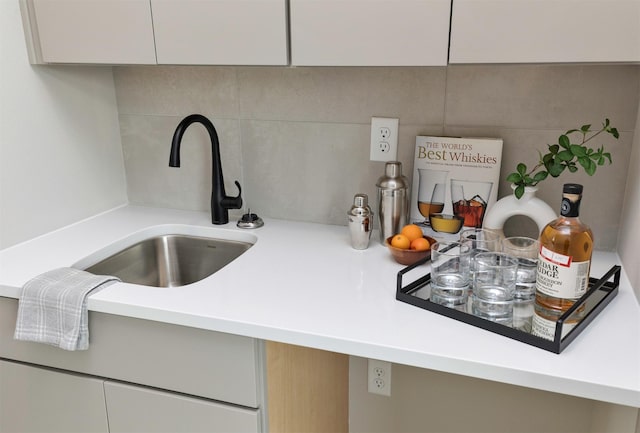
<point>384,139</point>
<point>379,377</point>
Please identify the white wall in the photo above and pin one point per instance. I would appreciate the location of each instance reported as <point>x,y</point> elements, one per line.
<point>297,139</point>
<point>428,401</point>
<point>60,148</point>
<point>629,235</point>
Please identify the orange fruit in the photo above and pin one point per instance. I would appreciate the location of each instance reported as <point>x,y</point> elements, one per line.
<point>400,241</point>
<point>412,231</point>
<point>420,244</point>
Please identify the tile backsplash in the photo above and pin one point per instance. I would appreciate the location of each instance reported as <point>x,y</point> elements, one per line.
<point>297,139</point>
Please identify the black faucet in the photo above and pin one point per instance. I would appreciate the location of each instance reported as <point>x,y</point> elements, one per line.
<point>220,202</point>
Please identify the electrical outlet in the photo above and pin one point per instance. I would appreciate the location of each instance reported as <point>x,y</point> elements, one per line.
<point>384,139</point>
<point>379,377</point>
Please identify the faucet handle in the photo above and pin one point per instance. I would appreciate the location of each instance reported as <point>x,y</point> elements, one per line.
<point>233,202</point>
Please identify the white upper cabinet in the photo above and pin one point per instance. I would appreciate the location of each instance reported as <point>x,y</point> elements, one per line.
<point>332,32</point>
<point>369,32</point>
<point>540,31</point>
<point>193,32</point>
<point>220,32</point>
<point>94,31</point>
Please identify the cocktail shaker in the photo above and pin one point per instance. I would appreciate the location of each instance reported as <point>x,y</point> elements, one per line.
<point>360,222</point>
<point>393,200</point>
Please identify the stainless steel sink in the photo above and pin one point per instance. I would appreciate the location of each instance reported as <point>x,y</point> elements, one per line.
<point>170,260</point>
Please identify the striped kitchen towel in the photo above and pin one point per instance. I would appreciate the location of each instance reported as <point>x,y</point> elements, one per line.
<point>52,308</point>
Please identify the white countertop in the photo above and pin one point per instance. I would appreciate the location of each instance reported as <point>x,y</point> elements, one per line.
<point>303,284</point>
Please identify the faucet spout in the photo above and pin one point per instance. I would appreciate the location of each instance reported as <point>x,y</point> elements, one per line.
<point>220,202</point>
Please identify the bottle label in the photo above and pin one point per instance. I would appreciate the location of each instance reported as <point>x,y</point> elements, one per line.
<point>559,276</point>
<point>546,328</point>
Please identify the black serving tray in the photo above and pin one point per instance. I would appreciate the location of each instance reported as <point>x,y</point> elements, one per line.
<point>601,292</point>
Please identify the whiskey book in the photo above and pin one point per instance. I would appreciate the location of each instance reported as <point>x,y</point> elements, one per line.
<point>455,181</point>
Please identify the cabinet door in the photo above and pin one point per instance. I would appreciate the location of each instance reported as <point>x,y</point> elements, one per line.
<point>35,399</point>
<point>137,409</point>
<point>220,32</point>
<point>528,31</point>
<point>369,32</point>
<point>95,31</point>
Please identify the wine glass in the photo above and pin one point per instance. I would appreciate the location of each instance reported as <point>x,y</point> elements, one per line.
<point>431,192</point>
<point>435,204</point>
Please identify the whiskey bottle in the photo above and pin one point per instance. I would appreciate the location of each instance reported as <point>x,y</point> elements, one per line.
<point>564,261</point>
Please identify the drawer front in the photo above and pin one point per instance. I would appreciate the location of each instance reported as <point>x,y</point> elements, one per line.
<point>137,409</point>
<point>41,400</point>
<point>204,363</point>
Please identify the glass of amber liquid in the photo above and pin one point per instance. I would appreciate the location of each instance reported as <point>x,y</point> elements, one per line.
<point>431,192</point>
<point>470,200</point>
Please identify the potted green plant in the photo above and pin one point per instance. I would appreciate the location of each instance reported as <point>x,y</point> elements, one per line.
<point>562,156</point>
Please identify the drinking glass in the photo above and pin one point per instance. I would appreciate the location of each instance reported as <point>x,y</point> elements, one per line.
<point>480,241</point>
<point>494,286</point>
<point>525,250</point>
<point>450,276</point>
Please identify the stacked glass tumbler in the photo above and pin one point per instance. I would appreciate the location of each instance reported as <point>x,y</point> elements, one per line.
<point>497,273</point>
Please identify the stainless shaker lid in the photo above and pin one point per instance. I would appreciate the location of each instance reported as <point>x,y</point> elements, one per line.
<point>360,205</point>
<point>360,200</point>
<point>393,178</point>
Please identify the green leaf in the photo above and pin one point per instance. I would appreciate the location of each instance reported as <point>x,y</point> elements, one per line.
<point>522,169</point>
<point>588,165</point>
<point>614,132</point>
<point>540,176</point>
<point>564,141</point>
<point>548,158</point>
<point>553,148</point>
<point>571,131</point>
<point>519,191</point>
<point>584,162</point>
<point>565,155</point>
<point>608,156</point>
<point>572,168</point>
<point>556,170</point>
<point>585,128</point>
<point>601,161</point>
<point>514,177</point>
<point>606,122</point>
<point>578,150</point>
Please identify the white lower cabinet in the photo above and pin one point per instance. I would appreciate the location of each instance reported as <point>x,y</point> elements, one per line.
<point>145,376</point>
<point>136,376</point>
<point>137,409</point>
<point>35,399</point>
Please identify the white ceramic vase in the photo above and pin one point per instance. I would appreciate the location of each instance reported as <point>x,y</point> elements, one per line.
<point>528,205</point>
